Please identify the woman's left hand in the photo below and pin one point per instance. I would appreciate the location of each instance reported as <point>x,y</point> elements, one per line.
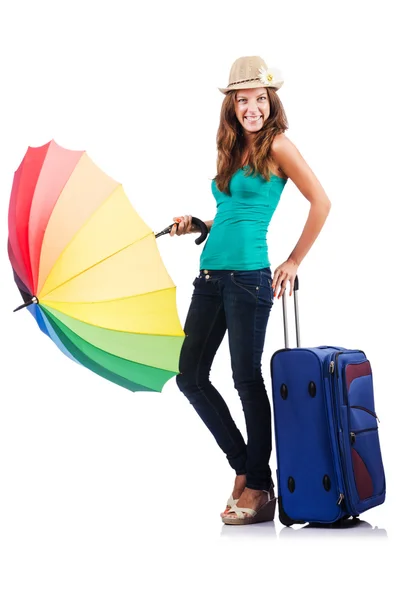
<point>284,273</point>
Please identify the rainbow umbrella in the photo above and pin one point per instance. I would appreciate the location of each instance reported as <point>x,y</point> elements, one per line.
<point>89,270</point>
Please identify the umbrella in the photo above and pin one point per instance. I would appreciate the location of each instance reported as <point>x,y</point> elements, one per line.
<point>89,270</point>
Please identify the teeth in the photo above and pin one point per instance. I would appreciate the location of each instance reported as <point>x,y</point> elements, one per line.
<point>252,119</point>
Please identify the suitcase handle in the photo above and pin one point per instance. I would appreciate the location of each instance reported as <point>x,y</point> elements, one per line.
<point>285,318</point>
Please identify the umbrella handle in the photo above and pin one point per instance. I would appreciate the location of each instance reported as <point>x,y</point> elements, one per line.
<point>202,226</point>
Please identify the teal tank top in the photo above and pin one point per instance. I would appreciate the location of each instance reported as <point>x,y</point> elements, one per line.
<point>237,240</point>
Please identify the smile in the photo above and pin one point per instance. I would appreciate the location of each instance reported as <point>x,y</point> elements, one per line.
<point>253,119</point>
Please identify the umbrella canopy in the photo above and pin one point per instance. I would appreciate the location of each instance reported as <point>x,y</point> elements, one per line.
<point>89,270</point>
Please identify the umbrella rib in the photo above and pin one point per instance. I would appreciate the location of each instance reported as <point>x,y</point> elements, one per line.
<point>99,262</point>
<point>52,307</point>
<point>119,185</point>
<point>30,212</point>
<point>44,305</point>
<point>110,299</point>
<point>133,332</point>
<point>53,208</point>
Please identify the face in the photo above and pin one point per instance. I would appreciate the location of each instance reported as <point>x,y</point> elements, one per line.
<point>252,108</point>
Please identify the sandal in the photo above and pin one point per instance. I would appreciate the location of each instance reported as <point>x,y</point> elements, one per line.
<point>249,516</point>
<point>231,502</point>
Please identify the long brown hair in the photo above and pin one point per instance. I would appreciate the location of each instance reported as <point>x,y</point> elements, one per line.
<point>231,145</point>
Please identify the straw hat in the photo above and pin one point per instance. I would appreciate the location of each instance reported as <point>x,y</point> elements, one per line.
<point>252,72</point>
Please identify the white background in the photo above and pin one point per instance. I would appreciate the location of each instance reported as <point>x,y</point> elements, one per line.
<point>107,494</point>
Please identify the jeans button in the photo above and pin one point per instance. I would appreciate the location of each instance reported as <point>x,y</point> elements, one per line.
<point>207,276</point>
<point>205,272</point>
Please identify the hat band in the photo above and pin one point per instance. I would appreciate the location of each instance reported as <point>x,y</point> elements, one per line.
<point>243,81</point>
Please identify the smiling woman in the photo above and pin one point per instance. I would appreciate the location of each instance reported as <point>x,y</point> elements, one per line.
<point>248,105</point>
<point>262,118</point>
<point>235,288</point>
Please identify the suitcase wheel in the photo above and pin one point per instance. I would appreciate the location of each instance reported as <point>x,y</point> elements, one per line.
<point>284,518</point>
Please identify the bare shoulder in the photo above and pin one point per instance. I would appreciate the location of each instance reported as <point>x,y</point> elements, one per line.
<point>282,146</point>
<point>288,158</point>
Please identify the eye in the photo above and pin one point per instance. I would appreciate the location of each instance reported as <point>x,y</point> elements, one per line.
<point>241,100</point>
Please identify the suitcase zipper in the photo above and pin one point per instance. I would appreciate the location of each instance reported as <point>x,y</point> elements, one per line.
<point>332,371</point>
<point>367,410</point>
<point>353,434</point>
<point>333,368</point>
<point>333,365</point>
<point>336,363</point>
<point>345,477</point>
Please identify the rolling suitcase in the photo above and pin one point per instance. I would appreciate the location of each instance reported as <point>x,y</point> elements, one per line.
<point>329,462</point>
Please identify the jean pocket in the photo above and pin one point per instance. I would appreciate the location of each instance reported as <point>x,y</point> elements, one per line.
<point>205,282</point>
<point>257,283</point>
<point>248,281</point>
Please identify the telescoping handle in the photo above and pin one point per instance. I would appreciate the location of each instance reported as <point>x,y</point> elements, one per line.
<point>285,317</point>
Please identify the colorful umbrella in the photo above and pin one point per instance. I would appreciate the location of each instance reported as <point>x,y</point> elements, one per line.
<point>89,270</point>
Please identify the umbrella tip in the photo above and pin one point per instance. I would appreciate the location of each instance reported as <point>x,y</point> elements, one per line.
<point>33,300</point>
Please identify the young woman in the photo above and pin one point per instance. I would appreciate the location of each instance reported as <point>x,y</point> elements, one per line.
<point>235,288</point>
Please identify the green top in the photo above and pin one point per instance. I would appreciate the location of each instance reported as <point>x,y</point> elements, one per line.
<point>237,239</point>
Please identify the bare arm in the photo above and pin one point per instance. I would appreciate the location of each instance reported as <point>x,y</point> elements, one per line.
<point>289,159</point>
<point>296,168</point>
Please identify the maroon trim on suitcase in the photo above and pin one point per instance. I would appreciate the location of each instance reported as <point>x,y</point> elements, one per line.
<point>354,371</point>
<point>362,477</point>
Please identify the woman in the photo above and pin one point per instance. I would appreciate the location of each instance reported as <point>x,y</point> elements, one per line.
<point>235,288</point>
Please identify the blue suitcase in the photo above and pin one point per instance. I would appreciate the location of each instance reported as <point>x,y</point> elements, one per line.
<point>329,462</point>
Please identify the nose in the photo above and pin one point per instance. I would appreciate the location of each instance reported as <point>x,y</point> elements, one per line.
<point>252,107</point>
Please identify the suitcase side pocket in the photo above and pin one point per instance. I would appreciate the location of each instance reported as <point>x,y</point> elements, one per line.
<point>367,463</point>
<point>365,452</point>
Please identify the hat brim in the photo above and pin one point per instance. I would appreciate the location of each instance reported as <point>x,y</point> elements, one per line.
<point>254,84</point>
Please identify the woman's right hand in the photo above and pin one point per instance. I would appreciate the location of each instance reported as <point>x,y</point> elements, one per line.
<point>184,225</point>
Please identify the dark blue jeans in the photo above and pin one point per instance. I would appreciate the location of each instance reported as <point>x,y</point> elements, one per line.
<point>239,302</point>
